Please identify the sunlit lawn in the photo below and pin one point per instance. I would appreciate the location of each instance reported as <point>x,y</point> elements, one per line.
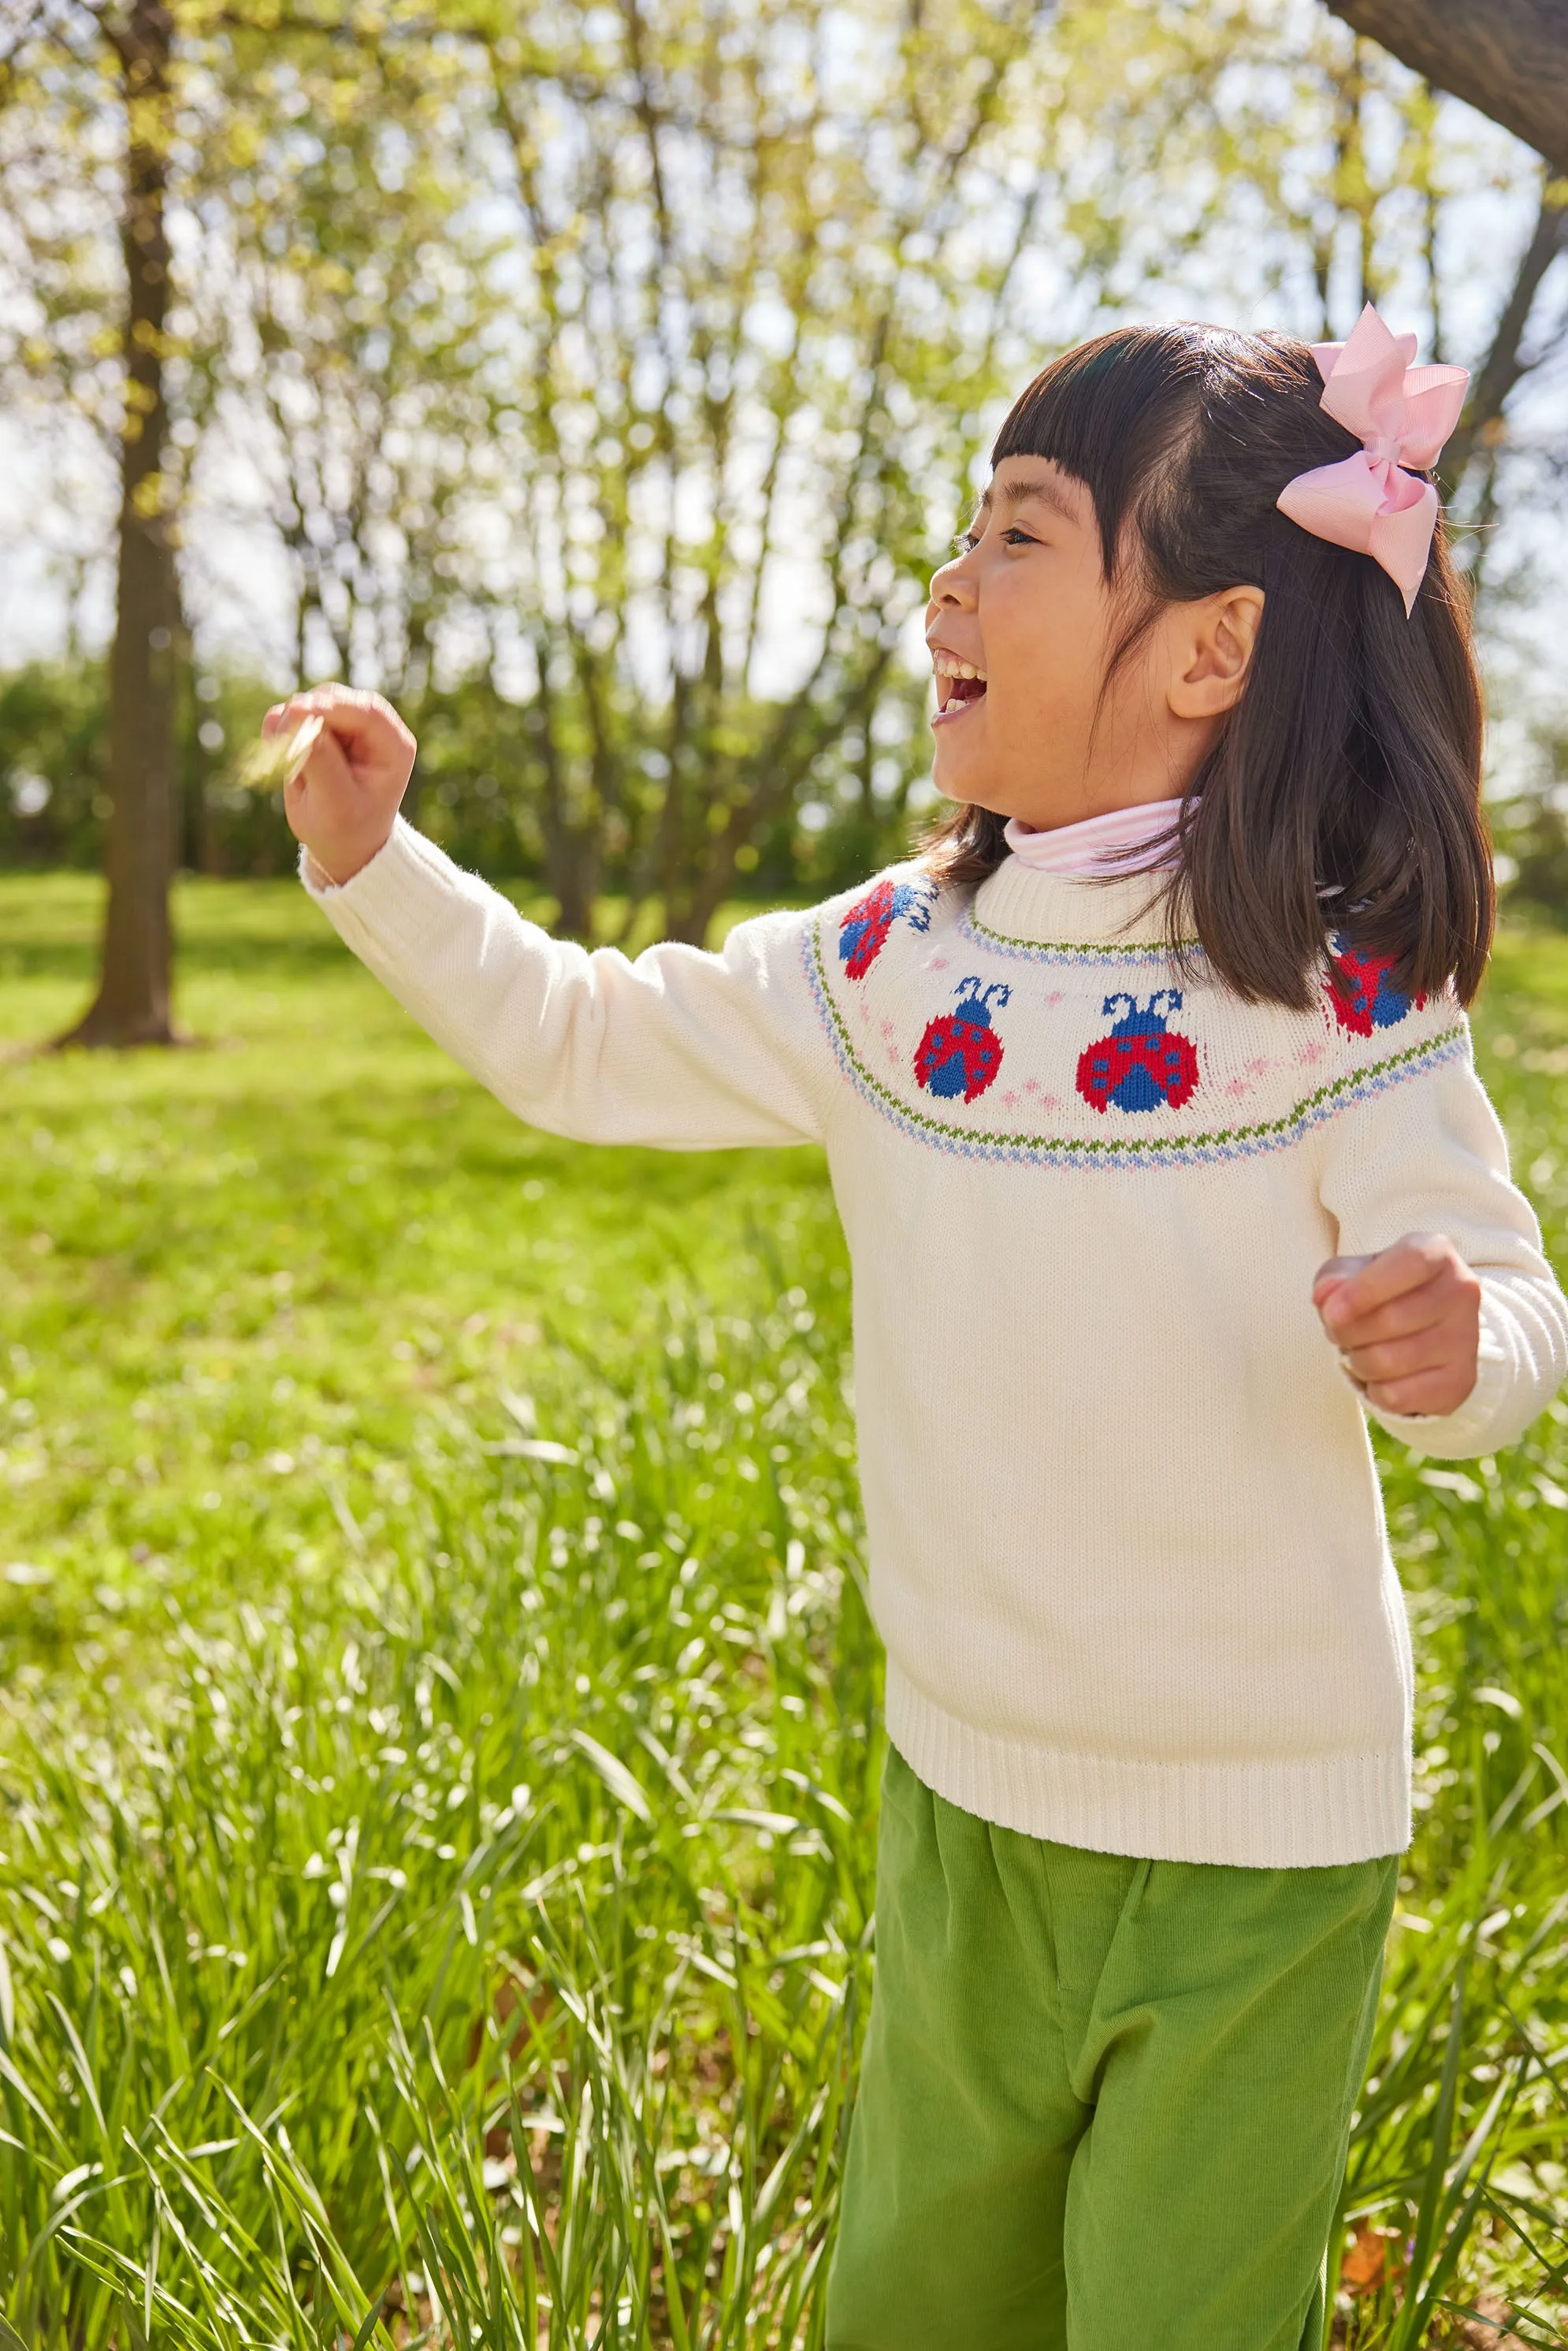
<point>249,1279</point>
<point>439,1757</point>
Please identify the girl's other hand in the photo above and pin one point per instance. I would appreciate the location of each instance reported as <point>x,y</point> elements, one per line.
<point>1407,1323</point>
<point>342,803</point>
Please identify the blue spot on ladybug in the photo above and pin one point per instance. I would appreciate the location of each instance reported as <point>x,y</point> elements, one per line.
<point>961,1052</point>
<point>1363,996</point>
<point>1142,1064</point>
<point>862,933</point>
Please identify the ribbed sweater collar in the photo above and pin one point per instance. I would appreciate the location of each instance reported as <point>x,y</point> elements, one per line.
<point>1065,909</point>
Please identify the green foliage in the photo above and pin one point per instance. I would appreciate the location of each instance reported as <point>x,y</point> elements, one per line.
<point>476,790</point>
<point>608,381</point>
<point>1533,836</point>
<point>439,1765</point>
<point>53,735</point>
<point>54,731</point>
<point>619,374</point>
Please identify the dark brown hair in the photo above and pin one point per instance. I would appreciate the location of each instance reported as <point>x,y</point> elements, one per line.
<point>1343,792</point>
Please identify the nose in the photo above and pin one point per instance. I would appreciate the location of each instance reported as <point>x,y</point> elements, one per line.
<point>953,587</point>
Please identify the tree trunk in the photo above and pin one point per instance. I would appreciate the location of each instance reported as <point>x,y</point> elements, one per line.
<point>1509,57</point>
<point>570,840</point>
<point>131,1007</point>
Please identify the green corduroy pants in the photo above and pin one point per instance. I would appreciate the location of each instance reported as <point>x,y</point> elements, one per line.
<point>1103,2103</point>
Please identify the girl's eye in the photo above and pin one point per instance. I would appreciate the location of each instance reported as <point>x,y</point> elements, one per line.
<point>1012,535</point>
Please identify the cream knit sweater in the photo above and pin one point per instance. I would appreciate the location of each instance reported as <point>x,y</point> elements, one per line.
<point>1127,1547</point>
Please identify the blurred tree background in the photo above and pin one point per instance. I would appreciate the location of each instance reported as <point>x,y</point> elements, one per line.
<point>602,382</point>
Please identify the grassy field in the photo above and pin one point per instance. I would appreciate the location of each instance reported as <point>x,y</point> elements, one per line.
<point>439,1749</point>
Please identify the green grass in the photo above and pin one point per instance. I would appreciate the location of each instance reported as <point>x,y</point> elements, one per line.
<point>439,1753</point>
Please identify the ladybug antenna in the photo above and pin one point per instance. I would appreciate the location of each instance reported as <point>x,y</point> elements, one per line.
<point>974,991</point>
<point>1119,1003</point>
<point>1166,1000</point>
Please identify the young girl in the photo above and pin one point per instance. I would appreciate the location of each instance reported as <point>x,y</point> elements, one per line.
<point>1147,1095</point>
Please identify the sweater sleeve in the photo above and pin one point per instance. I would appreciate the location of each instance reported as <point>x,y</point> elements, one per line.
<point>679,1048</point>
<point>1427,1155</point>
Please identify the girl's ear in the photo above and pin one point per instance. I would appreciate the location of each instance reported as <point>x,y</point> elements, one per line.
<point>1213,652</point>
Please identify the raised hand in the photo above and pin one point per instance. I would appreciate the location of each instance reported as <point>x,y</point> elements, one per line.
<point>1406,1323</point>
<point>344,801</point>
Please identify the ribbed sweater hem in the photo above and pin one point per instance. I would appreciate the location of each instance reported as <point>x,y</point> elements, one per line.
<point>1307,1812</point>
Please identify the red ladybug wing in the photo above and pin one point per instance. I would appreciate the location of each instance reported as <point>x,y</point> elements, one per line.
<point>1353,990</point>
<point>982,1059</point>
<point>867,947</point>
<point>1175,1068</point>
<point>940,1038</point>
<point>1351,1007</point>
<point>1100,1071</point>
<point>873,917</point>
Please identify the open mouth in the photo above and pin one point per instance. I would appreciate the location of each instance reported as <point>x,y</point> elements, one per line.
<point>959,686</point>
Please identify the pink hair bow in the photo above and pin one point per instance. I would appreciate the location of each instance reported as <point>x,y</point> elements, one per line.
<point>1402,415</point>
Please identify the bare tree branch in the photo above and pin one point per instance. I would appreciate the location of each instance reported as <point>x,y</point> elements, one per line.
<point>1506,362</point>
<point>1509,57</point>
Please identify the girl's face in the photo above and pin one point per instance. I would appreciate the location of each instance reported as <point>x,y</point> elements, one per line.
<point>1022,625</point>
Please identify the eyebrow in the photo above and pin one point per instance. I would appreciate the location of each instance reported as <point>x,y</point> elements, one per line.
<point>1013,495</point>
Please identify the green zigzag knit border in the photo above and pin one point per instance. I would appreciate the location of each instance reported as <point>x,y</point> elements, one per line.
<point>1074,951</point>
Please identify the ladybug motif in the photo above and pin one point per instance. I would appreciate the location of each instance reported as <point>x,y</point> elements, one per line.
<point>862,933</point>
<point>961,1052</point>
<point>1360,990</point>
<point>1142,1064</point>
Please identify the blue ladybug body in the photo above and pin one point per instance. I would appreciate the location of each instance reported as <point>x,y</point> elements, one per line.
<point>961,1052</point>
<point>1142,1064</point>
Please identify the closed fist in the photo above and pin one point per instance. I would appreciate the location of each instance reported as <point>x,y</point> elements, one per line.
<point>1407,1323</point>
<point>344,801</point>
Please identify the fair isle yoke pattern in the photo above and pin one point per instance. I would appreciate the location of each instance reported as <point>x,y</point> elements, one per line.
<point>1060,1054</point>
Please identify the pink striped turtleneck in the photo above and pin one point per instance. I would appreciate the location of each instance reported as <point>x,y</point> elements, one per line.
<point>1084,848</point>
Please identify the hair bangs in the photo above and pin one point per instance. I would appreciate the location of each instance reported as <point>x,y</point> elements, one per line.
<point>1109,413</point>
